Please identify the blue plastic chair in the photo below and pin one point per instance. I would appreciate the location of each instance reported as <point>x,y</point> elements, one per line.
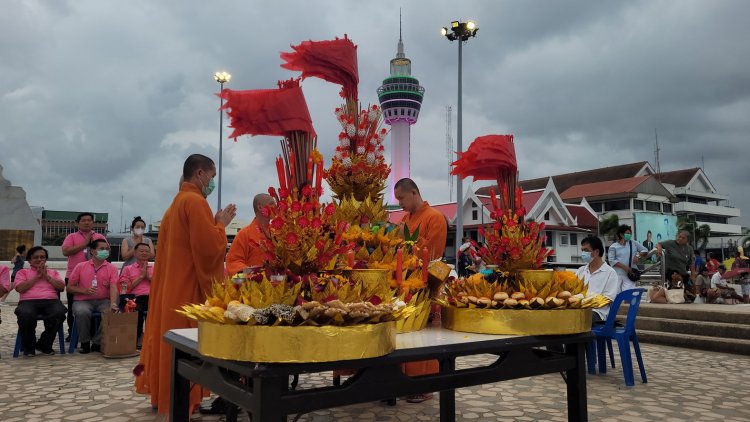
<point>19,343</point>
<point>95,318</point>
<point>623,335</point>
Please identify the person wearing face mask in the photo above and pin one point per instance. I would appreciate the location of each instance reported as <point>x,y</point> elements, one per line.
<point>192,245</point>
<point>624,255</point>
<point>75,248</point>
<point>601,278</point>
<point>127,249</point>
<point>90,284</point>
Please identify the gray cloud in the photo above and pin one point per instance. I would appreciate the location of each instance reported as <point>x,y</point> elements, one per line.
<point>101,99</point>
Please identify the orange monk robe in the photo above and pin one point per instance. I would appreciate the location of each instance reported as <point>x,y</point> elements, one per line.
<point>190,255</point>
<point>433,232</point>
<point>243,253</point>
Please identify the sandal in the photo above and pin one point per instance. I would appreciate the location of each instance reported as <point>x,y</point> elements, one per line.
<point>419,398</point>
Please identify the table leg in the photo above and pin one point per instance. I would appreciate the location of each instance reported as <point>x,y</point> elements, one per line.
<point>179,391</point>
<point>447,397</point>
<point>576,380</point>
<point>266,399</point>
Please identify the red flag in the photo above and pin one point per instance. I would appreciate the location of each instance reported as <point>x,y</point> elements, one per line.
<point>268,111</point>
<point>331,60</point>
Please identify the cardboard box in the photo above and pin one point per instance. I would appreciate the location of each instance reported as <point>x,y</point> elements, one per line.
<point>119,334</point>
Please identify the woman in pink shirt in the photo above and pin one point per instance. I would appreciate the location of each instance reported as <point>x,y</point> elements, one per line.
<point>39,289</point>
<point>136,280</point>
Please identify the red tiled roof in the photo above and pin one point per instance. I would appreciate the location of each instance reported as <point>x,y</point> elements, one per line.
<point>603,188</point>
<point>564,182</point>
<point>679,178</point>
<point>583,216</point>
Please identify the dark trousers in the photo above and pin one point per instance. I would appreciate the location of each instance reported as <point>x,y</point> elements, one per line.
<point>69,296</point>
<point>52,311</point>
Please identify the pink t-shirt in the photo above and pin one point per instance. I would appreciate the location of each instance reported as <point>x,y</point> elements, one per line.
<point>77,239</point>
<point>42,289</point>
<point>4,277</point>
<point>131,273</point>
<point>85,272</point>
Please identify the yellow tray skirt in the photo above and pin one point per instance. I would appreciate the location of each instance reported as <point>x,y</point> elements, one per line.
<point>517,321</point>
<point>280,344</point>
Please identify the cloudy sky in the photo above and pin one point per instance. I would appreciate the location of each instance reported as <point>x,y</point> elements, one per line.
<point>102,99</point>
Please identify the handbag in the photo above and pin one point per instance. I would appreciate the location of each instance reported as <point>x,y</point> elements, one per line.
<point>676,296</point>
<point>634,274</point>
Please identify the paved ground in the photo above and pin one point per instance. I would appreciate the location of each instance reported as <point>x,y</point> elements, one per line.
<point>684,385</point>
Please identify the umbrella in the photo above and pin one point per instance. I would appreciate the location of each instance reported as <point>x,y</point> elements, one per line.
<point>737,272</point>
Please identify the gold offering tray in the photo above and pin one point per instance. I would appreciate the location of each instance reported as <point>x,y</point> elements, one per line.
<point>517,321</point>
<point>283,344</point>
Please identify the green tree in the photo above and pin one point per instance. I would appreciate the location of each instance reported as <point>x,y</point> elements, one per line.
<point>608,226</point>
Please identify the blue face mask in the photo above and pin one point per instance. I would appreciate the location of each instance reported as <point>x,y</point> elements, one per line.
<point>627,237</point>
<point>586,256</point>
<point>102,254</point>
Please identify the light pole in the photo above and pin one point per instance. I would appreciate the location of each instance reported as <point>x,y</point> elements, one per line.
<point>461,32</point>
<point>221,78</point>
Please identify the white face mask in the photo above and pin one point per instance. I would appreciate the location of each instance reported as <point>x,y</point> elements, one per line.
<point>139,231</point>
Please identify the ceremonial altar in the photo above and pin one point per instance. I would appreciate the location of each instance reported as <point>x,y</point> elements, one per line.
<point>267,396</point>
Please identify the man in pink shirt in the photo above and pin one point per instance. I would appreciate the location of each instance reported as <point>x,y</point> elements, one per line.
<point>75,247</point>
<point>39,289</point>
<point>137,281</point>
<point>90,284</point>
<point>4,283</point>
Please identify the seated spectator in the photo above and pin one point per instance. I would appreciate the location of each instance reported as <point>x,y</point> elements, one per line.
<point>601,278</point>
<point>39,289</point>
<point>703,281</point>
<point>745,286</point>
<point>4,283</point>
<point>90,283</point>
<point>720,291</point>
<point>137,279</point>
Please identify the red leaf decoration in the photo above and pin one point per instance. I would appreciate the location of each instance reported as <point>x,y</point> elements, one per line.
<point>274,112</point>
<point>334,61</point>
<point>487,157</point>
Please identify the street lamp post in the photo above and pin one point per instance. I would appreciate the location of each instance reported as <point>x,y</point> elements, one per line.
<point>461,32</point>
<point>221,78</point>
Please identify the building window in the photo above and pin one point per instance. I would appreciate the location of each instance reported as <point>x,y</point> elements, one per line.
<point>546,216</point>
<point>623,204</point>
<point>573,239</point>
<point>475,215</point>
<point>474,205</point>
<point>563,239</point>
<point>548,239</point>
<point>666,207</point>
<point>653,206</point>
<point>697,200</point>
<point>637,204</point>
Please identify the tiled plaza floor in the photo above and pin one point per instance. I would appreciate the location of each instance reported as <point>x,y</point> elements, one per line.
<point>684,385</point>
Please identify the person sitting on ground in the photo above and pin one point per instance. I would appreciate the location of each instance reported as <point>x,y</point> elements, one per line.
<point>745,286</point>
<point>601,278</point>
<point>137,280</point>
<point>703,281</point>
<point>39,288</point>
<point>720,291</point>
<point>127,249</point>
<point>90,283</point>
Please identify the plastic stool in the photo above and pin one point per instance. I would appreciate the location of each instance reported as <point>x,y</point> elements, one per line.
<point>95,317</point>
<point>60,338</point>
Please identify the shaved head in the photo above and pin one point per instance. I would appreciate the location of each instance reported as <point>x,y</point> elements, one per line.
<point>194,163</point>
<point>406,184</point>
<point>260,201</point>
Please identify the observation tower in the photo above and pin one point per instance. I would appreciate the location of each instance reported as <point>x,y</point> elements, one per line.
<point>400,98</point>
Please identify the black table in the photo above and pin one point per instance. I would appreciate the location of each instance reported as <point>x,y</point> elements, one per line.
<point>266,394</point>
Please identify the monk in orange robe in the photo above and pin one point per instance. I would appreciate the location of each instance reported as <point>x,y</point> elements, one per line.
<point>190,256</point>
<point>433,232</point>
<point>243,254</point>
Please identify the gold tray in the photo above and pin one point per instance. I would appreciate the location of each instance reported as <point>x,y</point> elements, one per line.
<point>280,344</point>
<point>517,321</point>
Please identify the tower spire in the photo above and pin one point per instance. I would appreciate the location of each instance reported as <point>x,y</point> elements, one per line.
<point>400,54</point>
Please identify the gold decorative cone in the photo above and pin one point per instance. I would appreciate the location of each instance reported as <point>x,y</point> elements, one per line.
<point>417,320</point>
<point>371,279</point>
<point>537,278</point>
<point>517,321</point>
<point>280,344</point>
